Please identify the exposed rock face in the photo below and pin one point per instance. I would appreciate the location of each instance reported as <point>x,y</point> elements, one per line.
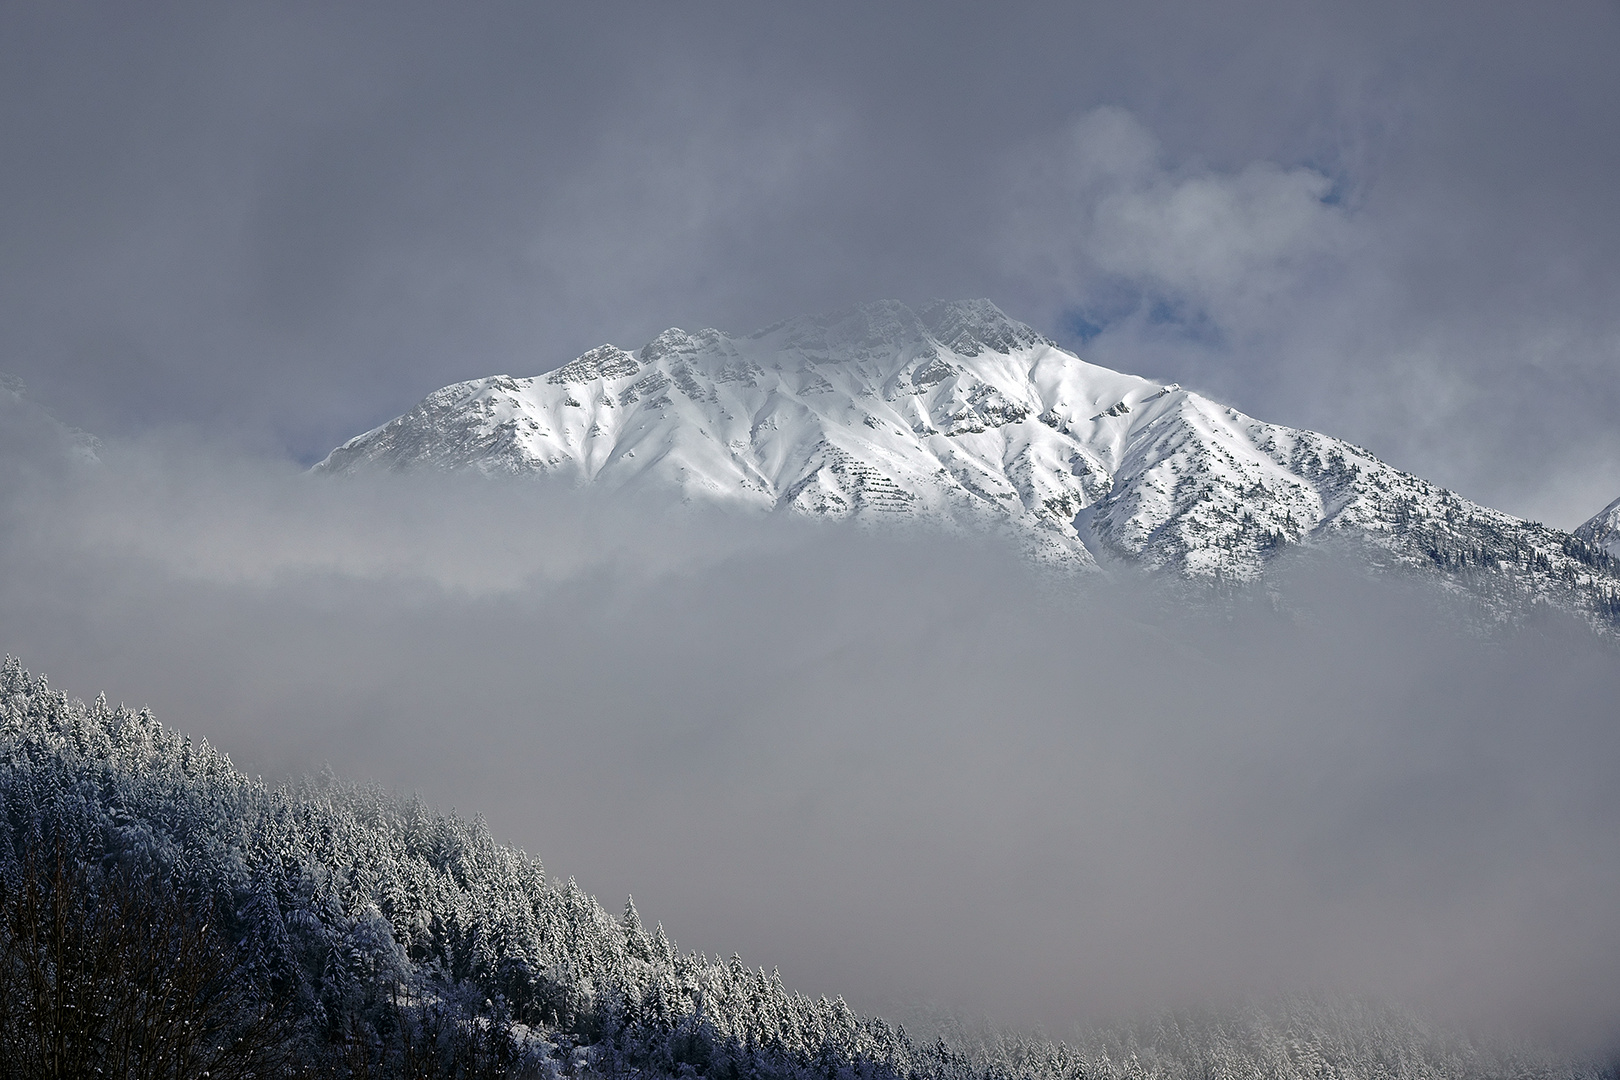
<point>1603,530</point>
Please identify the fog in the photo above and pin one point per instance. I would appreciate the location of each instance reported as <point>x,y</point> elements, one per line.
<point>898,767</point>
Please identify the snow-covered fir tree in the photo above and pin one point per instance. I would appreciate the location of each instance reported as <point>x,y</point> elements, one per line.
<point>335,930</point>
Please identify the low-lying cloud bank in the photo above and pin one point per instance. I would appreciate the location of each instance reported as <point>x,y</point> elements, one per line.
<point>895,767</point>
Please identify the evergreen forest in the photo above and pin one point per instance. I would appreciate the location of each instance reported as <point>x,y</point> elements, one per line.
<point>164,915</point>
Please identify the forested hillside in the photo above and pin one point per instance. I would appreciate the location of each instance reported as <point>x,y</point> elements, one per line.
<point>165,915</point>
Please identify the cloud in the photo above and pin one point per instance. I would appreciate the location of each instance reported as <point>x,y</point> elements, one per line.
<point>1346,300</point>
<point>1103,221</point>
<point>686,190</point>
<point>889,765</point>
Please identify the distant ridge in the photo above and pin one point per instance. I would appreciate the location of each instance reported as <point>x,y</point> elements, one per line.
<point>1602,530</point>
<point>959,417</point>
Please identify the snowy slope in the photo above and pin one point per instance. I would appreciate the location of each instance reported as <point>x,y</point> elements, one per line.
<point>1603,530</point>
<point>31,438</point>
<point>957,416</point>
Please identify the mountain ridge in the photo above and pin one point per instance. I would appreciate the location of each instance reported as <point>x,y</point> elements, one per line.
<point>1602,529</point>
<point>958,416</point>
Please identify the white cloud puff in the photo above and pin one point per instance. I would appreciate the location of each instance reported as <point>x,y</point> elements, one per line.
<point>1104,219</point>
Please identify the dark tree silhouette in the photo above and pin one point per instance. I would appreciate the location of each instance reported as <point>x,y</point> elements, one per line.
<point>110,973</point>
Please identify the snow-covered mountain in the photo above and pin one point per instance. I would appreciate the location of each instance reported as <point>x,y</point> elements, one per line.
<point>1603,530</point>
<point>959,416</point>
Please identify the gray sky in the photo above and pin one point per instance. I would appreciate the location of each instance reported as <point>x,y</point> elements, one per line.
<point>282,224</point>
<point>232,236</point>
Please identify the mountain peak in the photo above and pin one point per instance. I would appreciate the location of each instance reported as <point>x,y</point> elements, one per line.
<point>851,331</point>
<point>962,418</point>
<point>1603,530</point>
<point>966,327</point>
<point>970,327</point>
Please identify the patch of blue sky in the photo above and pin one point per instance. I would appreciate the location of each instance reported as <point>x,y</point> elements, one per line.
<point>1105,305</point>
<point>1342,187</point>
<point>1160,315</point>
<point>1185,321</point>
<point>1080,325</point>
